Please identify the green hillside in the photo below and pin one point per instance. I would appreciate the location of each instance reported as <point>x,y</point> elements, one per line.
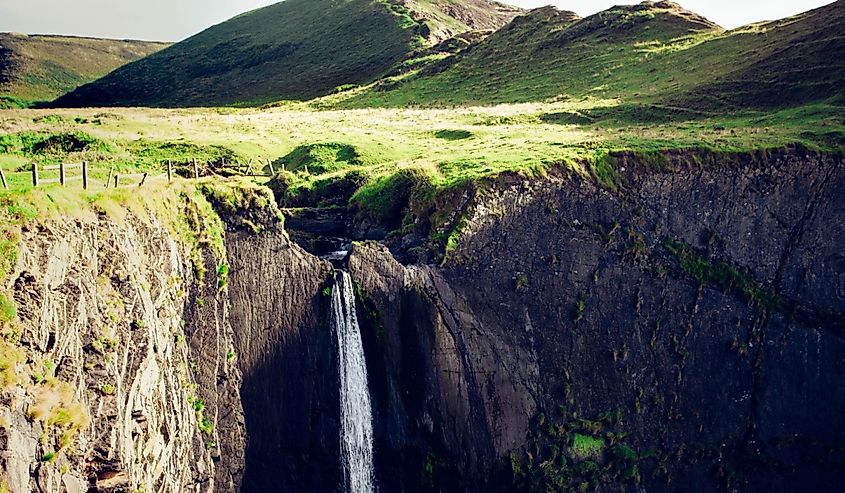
<point>651,53</point>
<point>41,68</point>
<point>296,49</point>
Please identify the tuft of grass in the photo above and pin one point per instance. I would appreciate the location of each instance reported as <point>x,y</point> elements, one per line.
<point>11,357</point>
<point>61,414</point>
<point>8,310</point>
<point>725,276</point>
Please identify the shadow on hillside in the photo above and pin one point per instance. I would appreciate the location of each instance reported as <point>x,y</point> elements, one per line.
<point>625,114</point>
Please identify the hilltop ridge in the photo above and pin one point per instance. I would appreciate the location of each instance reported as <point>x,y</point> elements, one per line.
<point>650,53</point>
<point>296,49</point>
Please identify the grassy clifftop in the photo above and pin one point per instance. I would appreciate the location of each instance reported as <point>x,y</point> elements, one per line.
<point>296,49</point>
<point>41,68</point>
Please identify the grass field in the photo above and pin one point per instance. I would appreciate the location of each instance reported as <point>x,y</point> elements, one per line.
<point>448,145</point>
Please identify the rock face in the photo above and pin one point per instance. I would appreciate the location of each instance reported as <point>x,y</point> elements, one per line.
<point>682,333</point>
<point>121,381</point>
<point>679,329</point>
<point>283,339</point>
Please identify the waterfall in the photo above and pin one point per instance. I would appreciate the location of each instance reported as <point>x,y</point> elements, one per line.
<point>356,419</point>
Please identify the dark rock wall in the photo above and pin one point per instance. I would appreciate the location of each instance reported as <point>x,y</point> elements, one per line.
<point>285,350</point>
<point>113,351</point>
<point>694,316</point>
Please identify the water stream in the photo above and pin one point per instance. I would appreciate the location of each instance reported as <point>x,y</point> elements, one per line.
<point>356,419</point>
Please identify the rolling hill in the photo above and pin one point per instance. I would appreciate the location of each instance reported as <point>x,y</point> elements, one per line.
<point>654,53</point>
<point>42,67</point>
<point>296,49</point>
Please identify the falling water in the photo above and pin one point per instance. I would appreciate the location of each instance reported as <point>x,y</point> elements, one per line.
<point>356,435</point>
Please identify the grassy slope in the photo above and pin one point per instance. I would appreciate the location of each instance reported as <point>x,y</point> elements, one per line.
<point>41,68</point>
<point>646,54</point>
<point>296,49</point>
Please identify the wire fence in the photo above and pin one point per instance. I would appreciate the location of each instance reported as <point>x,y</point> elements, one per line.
<point>67,173</point>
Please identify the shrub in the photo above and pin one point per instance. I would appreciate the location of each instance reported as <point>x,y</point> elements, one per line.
<point>57,143</point>
<point>321,158</point>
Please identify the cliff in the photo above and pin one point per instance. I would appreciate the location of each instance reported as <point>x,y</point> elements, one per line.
<point>116,375</point>
<point>676,326</point>
<point>681,332</point>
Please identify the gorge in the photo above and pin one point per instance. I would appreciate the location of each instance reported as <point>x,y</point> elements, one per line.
<point>642,337</point>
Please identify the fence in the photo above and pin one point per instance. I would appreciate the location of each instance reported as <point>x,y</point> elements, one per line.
<point>116,179</point>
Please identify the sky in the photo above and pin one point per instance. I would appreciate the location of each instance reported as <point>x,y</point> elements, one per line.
<point>173,20</point>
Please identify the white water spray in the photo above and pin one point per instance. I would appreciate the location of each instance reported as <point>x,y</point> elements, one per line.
<point>356,418</point>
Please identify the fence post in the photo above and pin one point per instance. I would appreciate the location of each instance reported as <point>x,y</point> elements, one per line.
<point>62,172</point>
<point>34,174</point>
<point>108,180</point>
<point>3,177</point>
<point>116,180</point>
<point>272,170</point>
<point>85,175</point>
<point>196,170</point>
<point>169,171</point>
<point>143,180</point>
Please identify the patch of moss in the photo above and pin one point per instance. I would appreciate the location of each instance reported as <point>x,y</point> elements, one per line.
<point>586,447</point>
<point>603,169</point>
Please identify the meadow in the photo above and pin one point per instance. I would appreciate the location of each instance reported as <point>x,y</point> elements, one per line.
<point>450,145</point>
